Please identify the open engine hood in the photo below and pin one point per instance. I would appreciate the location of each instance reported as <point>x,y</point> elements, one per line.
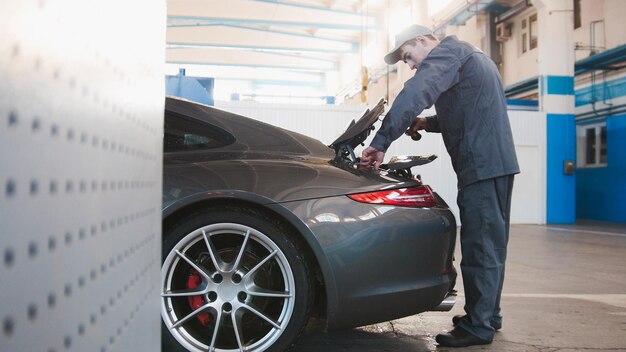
<point>357,132</point>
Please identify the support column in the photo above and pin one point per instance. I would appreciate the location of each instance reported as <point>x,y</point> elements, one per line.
<point>556,71</point>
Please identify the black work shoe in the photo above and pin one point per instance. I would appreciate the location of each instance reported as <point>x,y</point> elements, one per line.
<point>459,338</point>
<point>457,318</point>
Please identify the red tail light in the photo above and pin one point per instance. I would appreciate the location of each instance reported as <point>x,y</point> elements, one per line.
<point>417,197</point>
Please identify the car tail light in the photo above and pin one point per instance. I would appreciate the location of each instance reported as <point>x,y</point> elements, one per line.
<point>417,197</point>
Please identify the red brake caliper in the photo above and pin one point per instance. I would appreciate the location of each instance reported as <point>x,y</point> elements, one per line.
<point>197,301</point>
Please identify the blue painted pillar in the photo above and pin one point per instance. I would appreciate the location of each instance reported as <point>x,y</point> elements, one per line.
<point>556,59</point>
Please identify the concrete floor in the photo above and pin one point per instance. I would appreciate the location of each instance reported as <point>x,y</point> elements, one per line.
<point>565,290</point>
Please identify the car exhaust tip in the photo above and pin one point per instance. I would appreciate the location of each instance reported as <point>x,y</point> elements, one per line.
<point>447,303</point>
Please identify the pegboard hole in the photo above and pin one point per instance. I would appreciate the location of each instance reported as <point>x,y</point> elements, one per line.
<point>34,187</point>
<point>68,238</point>
<point>52,243</point>
<point>10,188</point>
<point>53,187</point>
<point>8,326</point>
<point>13,118</point>
<point>36,124</point>
<point>52,300</point>
<point>32,312</point>
<point>9,257</point>
<point>32,250</point>
<point>15,50</point>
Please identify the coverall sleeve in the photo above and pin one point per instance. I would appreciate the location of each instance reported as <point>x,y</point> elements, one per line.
<point>432,123</point>
<point>436,74</point>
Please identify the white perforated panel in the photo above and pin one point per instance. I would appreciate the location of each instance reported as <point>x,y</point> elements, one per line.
<point>81,116</point>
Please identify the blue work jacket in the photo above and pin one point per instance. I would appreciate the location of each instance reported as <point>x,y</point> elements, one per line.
<point>464,85</point>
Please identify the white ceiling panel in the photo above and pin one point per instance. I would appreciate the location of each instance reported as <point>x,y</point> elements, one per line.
<point>228,36</point>
<point>210,56</point>
<point>296,36</point>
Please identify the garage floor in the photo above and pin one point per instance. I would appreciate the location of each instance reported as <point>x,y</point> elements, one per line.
<point>565,290</point>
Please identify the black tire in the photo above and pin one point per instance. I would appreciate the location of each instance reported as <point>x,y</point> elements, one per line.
<point>221,287</point>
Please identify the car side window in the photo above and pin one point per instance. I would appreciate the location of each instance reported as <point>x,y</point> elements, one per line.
<point>183,133</point>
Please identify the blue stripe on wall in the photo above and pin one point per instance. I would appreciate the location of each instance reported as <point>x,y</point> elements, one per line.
<point>601,191</point>
<point>522,105</point>
<point>519,102</point>
<point>561,189</point>
<point>601,91</point>
<point>558,85</point>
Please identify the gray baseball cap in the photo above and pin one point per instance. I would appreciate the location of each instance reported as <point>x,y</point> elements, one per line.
<point>407,34</point>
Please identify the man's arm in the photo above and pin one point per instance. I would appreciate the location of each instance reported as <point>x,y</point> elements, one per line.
<point>428,123</point>
<point>436,74</point>
<point>432,124</point>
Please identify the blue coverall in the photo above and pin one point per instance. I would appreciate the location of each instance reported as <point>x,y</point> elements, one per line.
<point>465,87</point>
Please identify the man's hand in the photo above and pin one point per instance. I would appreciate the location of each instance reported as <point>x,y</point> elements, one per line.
<point>371,157</point>
<point>419,123</point>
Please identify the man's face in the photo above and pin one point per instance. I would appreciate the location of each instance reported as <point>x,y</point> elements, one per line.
<point>414,54</point>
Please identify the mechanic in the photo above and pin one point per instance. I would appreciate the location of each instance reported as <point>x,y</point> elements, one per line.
<point>465,87</point>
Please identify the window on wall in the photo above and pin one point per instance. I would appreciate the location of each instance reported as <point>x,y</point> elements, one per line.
<point>528,33</point>
<point>592,146</point>
<point>532,27</point>
<point>577,18</point>
<point>524,36</point>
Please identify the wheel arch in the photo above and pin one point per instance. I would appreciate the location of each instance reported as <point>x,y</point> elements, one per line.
<point>325,283</point>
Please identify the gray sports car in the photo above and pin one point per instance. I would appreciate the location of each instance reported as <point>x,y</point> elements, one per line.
<point>264,227</point>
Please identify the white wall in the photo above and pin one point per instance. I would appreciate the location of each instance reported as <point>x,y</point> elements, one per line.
<point>323,122</point>
<point>81,140</point>
<point>528,205</point>
<point>326,123</point>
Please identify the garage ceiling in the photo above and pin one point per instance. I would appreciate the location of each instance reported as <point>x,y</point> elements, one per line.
<point>286,48</point>
<point>266,42</point>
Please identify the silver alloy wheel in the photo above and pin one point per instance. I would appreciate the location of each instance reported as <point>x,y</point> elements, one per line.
<point>245,287</point>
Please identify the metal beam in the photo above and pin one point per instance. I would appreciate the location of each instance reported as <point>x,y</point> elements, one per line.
<point>312,7</point>
<point>319,25</point>
<point>268,13</point>
<point>309,36</point>
<point>172,45</point>
<point>253,66</point>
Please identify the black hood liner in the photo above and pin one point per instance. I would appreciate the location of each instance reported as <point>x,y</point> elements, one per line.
<point>357,132</point>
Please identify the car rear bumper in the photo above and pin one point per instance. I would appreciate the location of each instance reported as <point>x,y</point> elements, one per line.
<point>382,262</point>
<point>447,304</point>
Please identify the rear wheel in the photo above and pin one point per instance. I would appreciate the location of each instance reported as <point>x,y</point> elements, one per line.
<point>232,279</point>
